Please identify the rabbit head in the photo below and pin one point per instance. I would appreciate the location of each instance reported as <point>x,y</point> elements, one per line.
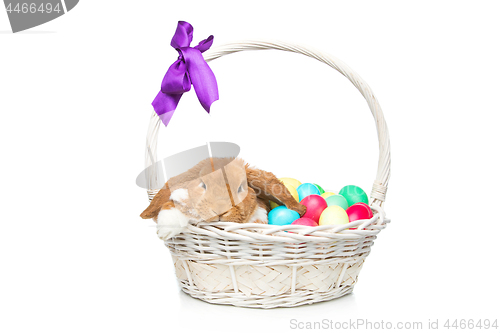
<point>218,192</point>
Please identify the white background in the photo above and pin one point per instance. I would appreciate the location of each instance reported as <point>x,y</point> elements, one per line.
<point>75,98</point>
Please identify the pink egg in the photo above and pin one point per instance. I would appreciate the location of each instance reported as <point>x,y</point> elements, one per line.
<point>359,211</point>
<point>315,205</point>
<point>305,221</point>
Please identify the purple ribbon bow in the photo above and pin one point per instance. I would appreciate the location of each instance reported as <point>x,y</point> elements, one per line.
<point>190,68</point>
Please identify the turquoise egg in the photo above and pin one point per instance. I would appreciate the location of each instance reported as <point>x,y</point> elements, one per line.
<point>337,200</point>
<point>353,194</point>
<point>307,189</point>
<point>282,216</point>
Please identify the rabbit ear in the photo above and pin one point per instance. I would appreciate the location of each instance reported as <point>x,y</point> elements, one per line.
<point>173,183</point>
<point>155,206</point>
<point>268,187</point>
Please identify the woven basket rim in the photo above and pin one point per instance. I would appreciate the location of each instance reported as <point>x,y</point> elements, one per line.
<point>291,233</point>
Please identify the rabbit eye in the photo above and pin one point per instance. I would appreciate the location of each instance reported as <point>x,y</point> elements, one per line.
<point>240,189</point>
<point>203,185</point>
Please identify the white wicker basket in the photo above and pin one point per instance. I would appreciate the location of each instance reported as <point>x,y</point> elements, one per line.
<point>264,266</point>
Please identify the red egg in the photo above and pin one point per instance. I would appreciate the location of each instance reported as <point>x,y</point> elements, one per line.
<point>359,211</point>
<point>305,221</point>
<point>315,205</point>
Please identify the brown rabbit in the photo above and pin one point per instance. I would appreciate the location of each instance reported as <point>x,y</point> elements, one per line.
<point>217,189</point>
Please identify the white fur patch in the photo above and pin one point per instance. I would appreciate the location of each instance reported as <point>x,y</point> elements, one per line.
<point>171,222</point>
<point>260,214</point>
<point>179,195</point>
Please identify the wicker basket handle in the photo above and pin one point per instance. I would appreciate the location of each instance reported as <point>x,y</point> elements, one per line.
<point>384,164</point>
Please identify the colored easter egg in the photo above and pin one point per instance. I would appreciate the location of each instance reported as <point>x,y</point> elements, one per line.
<point>334,215</point>
<point>353,194</point>
<point>336,200</point>
<point>321,191</point>
<point>282,216</point>
<point>327,194</point>
<point>359,211</point>
<point>294,182</point>
<point>292,191</point>
<point>315,205</point>
<point>305,221</point>
<point>307,189</point>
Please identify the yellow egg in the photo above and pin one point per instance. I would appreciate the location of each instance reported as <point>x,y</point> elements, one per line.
<point>294,182</point>
<point>292,191</point>
<point>327,194</point>
<point>333,215</point>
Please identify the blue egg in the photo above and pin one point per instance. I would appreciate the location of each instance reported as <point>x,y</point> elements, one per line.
<point>282,216</point>
<point>307,189</point>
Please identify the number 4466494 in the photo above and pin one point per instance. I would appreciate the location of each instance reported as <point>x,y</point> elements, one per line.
<point>471,324</point>
<point>33,8</point>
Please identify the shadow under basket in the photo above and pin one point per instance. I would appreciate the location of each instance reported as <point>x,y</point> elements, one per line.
<point>267,266</point>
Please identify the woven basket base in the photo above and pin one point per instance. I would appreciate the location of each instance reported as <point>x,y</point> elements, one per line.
<point>266,286</point>
<point>300,297</point>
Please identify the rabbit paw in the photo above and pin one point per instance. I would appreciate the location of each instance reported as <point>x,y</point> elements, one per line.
<point>171,222</point>
<point>260,216</point>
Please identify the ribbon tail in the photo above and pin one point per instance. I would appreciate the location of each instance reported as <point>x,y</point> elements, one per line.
<point>165,105</point>
<point>202,78</point>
